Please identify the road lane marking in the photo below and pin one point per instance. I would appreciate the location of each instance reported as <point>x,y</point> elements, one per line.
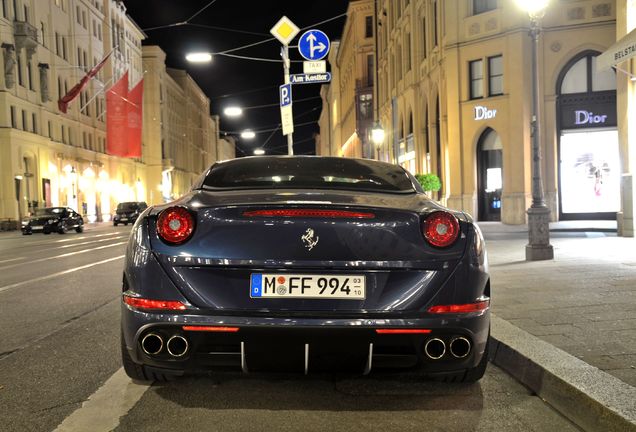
<point>104,408</point>
<point>84,237</point>
<point>68,254</point>
<point>88,242</point>
<point>54,275</point>
<point>12,259</point>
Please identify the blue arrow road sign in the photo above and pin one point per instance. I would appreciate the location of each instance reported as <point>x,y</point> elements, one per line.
<point>285,95</point>
<point>313,45</point>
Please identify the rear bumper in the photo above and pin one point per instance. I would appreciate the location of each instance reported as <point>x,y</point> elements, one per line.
<point>304,344</point>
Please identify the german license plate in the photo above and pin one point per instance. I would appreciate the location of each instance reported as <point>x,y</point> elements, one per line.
<point>348,287</point>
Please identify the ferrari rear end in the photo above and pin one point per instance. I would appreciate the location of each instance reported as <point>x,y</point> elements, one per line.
<point>305,264</point>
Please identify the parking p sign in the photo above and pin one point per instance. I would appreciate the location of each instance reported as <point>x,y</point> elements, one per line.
<point>285,95</point>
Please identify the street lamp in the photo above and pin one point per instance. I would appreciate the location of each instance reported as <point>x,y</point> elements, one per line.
<point>199,57</point>
<point>233,111</point>
<point>538,247</point>
<point>377,136</point>
<point>248,134</point>
<point>377,133</point>
<point>18,183</point>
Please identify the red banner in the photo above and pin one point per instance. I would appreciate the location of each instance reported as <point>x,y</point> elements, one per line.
<point>62,104</point>
<point>134,106</point>
<point>117,118</point>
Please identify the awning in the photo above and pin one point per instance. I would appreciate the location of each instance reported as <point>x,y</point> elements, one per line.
<point>621,51</point>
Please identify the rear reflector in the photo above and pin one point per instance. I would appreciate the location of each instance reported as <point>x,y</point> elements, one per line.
<point>211,329</point>
<point>460,308</point>
<point>402,331</point>
<point>142,303</point>
<point>312,213</point>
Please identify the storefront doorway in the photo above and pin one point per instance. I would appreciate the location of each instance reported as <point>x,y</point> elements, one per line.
<point>589,161</point>
<point>489,175</point>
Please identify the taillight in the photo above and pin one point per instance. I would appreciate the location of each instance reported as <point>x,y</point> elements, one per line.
<point>460,308</point>
<point>402,331</point>
<point>143,303</point>
<point>309,213</point>
<point>175,225</point>
<point>213,329</point>
<point>440,229</point>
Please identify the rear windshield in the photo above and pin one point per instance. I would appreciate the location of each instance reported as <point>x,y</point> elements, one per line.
<point>51,211</point>
<point>127,206</point>
<point>308,173</point>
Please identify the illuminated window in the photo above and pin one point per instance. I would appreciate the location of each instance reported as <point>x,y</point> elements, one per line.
<point>481,6</point>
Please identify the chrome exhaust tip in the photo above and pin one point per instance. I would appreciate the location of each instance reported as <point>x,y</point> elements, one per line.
<point>460,347</point>
<point>435,348</point>
<point>152,344</point>
<point>177,346</point>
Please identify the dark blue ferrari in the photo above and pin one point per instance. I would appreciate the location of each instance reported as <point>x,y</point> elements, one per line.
<point>305,264</point>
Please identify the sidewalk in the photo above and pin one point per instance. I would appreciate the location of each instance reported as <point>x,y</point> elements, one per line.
<point>584,301</point>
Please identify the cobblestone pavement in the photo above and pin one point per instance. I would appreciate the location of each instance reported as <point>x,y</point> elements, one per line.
<point>584,301</point>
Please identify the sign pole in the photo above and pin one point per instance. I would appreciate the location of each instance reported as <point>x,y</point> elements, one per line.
<point>286,66</point>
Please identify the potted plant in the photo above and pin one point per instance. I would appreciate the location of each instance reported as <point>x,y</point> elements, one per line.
<point>429,182</point>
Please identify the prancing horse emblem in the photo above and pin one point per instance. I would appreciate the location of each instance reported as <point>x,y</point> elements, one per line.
<point>310,239</point>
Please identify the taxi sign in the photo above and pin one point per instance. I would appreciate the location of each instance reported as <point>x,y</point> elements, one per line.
<point>285,30</point>
<point>310,67</point>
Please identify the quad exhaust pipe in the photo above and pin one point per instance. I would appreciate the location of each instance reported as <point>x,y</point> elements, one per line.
<point>177,345</point>
<point>435,348</point>
<point>460,347</point>
<point>152,344</point>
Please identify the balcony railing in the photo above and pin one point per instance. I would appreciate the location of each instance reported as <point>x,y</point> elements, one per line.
<point>26,36</point>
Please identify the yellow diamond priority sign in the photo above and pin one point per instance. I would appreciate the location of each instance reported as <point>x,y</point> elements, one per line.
<point>285,30</point>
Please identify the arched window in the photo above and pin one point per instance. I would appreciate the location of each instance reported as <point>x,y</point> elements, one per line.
<point>581,76</point>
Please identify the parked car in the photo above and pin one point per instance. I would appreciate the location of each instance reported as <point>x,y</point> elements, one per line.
<point>53,219</point>
<point>128,212</point>
<point>306,264</point>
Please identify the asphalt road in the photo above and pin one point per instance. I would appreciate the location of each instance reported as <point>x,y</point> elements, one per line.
<point>60,366</point>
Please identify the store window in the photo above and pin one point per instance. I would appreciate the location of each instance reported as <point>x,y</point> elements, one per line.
<point>589,155</point>
<point>490,175</point>
<point>476,72</point>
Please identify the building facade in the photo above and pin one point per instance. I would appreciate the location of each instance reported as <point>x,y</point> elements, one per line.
<point>455,99</point>
<point>48,158</point>
<point>347,116</point>
<point>180,137</point>
<point>626,97</point>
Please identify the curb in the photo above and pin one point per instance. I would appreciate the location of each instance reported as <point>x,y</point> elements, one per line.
<point>592,399</point>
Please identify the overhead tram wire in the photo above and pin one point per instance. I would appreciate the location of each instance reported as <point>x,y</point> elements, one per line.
<point>227,52</point>
<point>243,92</point>
<point>180,23</point>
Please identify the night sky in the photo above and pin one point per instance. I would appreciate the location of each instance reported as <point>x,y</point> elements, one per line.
<point>230,81</point>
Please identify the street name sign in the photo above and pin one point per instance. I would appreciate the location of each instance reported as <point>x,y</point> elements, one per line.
<point>311,67</point>
<point>310,78</point>
<point>284,30</point>
<point>285,95</point>
<point>314,45</point>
